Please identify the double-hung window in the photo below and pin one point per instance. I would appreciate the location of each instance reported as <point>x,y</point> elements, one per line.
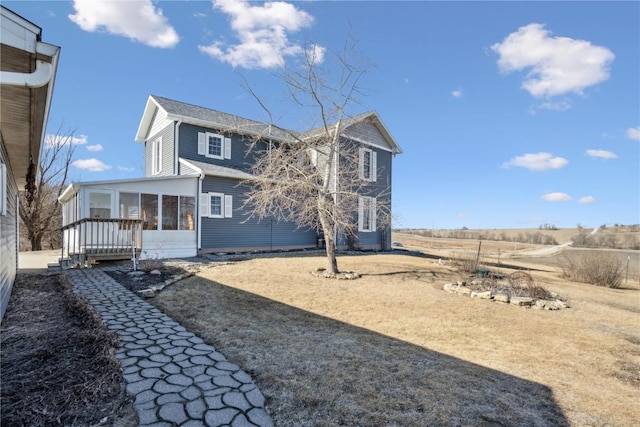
<point>156,156</point>
<point>368,167</point>
<point>214,145</point>
<point>216,205</point>
<point>366,213</point>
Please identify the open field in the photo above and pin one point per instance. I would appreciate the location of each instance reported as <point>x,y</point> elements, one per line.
<point>526,255</point>
<point>392,348</point>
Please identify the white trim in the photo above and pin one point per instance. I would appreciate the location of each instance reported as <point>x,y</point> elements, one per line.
<point>370,144</point>
<point>373,164</point>
<point>156,156</point>
<point>221,215</point>
<point>3,189</point>
<point>228,206</point>
<point>372,207</point>
<point>222,154</point>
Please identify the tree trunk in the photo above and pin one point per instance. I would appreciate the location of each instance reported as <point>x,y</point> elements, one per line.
<point>36,243</point>
<point>328,229</point>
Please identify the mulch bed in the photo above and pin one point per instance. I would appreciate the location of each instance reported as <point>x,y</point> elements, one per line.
<point>58,361</point>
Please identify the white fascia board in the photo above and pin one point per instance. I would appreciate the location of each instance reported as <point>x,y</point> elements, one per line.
<point>18,32</point>
<point>69,192</point>
<point>127,180</point>
<point>147,117</point>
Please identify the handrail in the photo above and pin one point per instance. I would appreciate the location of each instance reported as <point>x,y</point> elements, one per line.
<point>90,238</point>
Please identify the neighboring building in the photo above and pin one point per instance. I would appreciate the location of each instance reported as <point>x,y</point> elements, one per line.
<point>28,69</point>
<point>204,155</point>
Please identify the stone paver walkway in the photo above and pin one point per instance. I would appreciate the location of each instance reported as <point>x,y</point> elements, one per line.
<point>175,377</point>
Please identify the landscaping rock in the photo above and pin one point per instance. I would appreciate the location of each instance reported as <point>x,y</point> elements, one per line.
<point>146,293</point>
<point>481,294</point>
<point>503,298</point>
<point>522,301</point>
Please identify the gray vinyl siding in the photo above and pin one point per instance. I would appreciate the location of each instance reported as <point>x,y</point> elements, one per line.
<point>167,148</point>
<point>240,159</point>
<point>8,237</point>
<point>381,189</point>
<point>239,232</point>
<point>369,132</point>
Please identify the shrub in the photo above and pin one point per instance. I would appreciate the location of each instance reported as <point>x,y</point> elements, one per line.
<point>596,268</point>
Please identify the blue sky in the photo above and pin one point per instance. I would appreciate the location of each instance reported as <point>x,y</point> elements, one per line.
<point>510,114</point>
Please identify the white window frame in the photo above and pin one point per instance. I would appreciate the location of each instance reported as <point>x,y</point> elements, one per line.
<point>156,156</point>
<point>373,164</point>
<point>221,196</point>
<point>371,204</point>
<point>203,145</point>
<point>226,205</point>
<point>3,189</point>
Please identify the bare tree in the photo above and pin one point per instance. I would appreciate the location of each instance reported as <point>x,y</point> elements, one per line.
<point>314,178</point>
<point>39,210</point>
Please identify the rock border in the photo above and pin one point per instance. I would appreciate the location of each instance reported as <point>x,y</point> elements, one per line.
<point>461,288</point>
<point>343,275</point>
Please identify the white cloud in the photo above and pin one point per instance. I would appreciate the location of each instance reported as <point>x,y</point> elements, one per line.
<point>125,168</point>
<point>601,154</point>
<point>537,162</point>
<point>263,34</point>
<point>634,133</point>
<point>563,105</point>
<point>457,94</point>
<point>138,20</point>
<point>94,147</point>
<point>51,140</point>
<point>556,197</point>
<point>558,65</point>
<point>92,165</point>
<point>586,199</point>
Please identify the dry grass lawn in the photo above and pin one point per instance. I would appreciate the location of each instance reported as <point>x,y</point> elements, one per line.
<point>392,348</point>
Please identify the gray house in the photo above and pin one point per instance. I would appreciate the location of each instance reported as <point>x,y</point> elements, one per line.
<point>196,161</point>
<point>28,69</point>
<point>182,139</point>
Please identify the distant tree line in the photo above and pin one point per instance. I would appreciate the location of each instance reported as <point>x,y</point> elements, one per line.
<point>605,240</point>
<point>536,238</point>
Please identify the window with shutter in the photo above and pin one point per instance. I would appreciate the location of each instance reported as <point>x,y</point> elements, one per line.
<point>368,167</point>
<point>366,214</point>
<point>214,145</point>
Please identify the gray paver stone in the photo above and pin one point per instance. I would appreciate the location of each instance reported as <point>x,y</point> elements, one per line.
<point>255,398</point>
<point>138,353</point>
<point>202,360</point>
<point>240,421</point>
<point>179,379</point>
<point>243,377</point>
<point>219,417</point>
<point>140,386</point>
<point>160,358</point>
<point>227,366</point>
<point>173,412</point>
<point>193,352</point>
<point>204,347</point>
<point>214,402</point>
<point>236,400</point>
<point>147,416</point>
<point>195,340</point>
<point>153,373</point>
<point>194,371</point>
<point>154,349</point>
<point>132,377</point>
<point>169,398</point>
<point>161,386</point>
<point>260,417</point>
<point>145,396</point>
<point>191,393</point>
<point>181,343</point>
<point>146,363</point>
<point>185,363</point>
<point>196,408</point>
<point>172,351</point>
<point>215,372</point>
<point>207,385</point>
<point>226,381</point>
<point>172,368</point>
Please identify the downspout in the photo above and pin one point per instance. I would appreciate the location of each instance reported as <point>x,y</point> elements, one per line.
<point>176,147</point>
<point>199,231</point>
<point>40,77</point>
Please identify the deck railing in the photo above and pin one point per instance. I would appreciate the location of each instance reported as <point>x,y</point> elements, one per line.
<point>90,239</point>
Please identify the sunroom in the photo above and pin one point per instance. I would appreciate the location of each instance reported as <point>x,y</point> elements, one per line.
<point>145,218</point>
